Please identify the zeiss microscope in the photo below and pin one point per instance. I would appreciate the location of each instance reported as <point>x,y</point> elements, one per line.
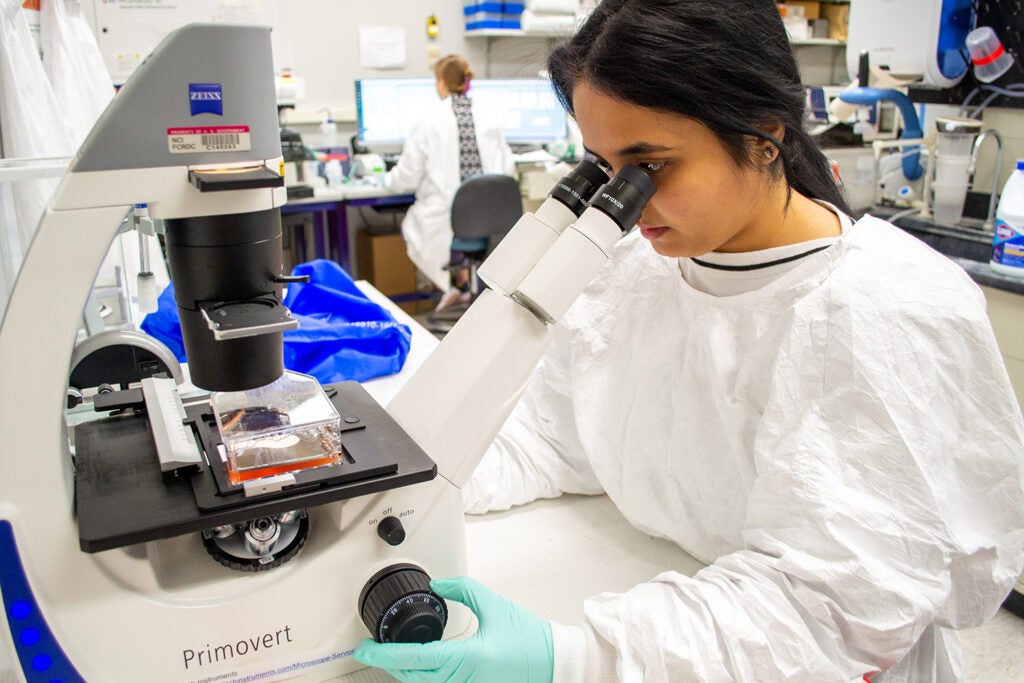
<point>261,530</point>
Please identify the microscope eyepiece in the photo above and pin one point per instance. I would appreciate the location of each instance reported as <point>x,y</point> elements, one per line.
<point>577,187</point>
<point>624,197</point>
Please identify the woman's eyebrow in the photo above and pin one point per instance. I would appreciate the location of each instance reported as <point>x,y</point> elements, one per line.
<point>642,148</point>
<point>632,150</point>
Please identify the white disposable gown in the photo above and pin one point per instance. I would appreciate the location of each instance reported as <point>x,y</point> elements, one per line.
<point>842,447</point>
<point>429,166</point>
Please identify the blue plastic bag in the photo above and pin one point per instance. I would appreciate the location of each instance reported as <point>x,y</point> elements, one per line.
<point>342,334</point>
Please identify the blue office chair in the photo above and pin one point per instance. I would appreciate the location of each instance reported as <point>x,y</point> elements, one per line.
<point>484,209</point>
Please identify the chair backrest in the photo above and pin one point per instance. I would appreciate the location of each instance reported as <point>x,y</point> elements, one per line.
<point>486,206</point>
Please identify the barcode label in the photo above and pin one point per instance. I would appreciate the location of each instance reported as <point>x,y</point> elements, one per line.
<point>208,139</point>
<point>218,140</point>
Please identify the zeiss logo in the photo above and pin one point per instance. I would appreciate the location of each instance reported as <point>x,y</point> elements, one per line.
<point>205,98</point>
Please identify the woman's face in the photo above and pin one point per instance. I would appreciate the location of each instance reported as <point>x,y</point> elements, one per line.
<point>704,201</point>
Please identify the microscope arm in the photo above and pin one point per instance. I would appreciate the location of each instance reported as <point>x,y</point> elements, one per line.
<point>456,402</point>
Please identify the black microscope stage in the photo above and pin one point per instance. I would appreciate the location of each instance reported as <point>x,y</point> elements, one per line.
<point>122,497</point>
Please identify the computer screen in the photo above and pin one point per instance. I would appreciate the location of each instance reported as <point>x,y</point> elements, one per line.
<point>387,108</point>
<point>528,109</point>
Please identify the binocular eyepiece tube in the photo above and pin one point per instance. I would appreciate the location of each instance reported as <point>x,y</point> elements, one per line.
<point>577,255</point>
<point>535,232</point>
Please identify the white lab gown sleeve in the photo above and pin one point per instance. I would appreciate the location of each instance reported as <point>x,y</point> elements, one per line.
<point>537,453</point>
<point>411,168</point>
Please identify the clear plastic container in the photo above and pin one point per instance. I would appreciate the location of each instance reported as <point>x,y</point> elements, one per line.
<point>987,54</point>
<point>948,202</point>
<point>1008,242</point>
<point>285,426</point>
<point>953,146</point>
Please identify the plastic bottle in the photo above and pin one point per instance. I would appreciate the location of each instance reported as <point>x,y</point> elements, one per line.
<point>328,131</point>
<point>1008,242</point>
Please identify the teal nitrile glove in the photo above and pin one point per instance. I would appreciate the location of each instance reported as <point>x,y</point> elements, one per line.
<point>511,644</point>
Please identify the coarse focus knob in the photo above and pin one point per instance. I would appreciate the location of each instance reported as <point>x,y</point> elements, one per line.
<point>397,606</point>
<point>391,530</point>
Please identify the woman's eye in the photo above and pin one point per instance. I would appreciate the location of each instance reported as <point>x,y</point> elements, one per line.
<point>651,167</point>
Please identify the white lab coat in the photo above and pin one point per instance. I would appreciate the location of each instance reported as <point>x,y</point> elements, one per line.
<point>841,446</point>
<point>429,166</point>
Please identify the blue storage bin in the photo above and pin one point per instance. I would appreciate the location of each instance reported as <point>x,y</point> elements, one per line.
<point>512,15</point>
<point>481,15</point>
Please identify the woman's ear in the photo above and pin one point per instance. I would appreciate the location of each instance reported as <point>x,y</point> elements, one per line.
<point>765,150</point>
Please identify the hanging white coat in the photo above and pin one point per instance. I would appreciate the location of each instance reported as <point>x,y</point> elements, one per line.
<point>429,166</point>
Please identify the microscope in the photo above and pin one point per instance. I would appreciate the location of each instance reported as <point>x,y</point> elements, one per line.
<point>261,526</point>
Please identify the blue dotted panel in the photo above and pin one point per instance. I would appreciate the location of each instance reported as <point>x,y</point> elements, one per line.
<point>42,660</point>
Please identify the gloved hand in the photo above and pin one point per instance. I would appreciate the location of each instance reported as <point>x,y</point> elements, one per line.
<point>511,644</point>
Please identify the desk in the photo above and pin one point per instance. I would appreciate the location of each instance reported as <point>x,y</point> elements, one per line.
<point>328,207</point>
<point>550,555</point>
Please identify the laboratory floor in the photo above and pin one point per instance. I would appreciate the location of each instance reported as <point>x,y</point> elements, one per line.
<point>994,652</point>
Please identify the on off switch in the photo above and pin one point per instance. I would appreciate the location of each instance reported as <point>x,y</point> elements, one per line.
<point>391,530</point>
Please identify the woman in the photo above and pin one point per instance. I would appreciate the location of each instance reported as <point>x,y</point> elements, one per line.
<point>451,143</point>
<point>804,402</point>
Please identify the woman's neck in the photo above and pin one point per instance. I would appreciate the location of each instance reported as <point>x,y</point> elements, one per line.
<point>783,220</point>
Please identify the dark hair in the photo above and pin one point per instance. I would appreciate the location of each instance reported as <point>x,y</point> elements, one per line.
<point>724,63</point>
<point>455,72</point>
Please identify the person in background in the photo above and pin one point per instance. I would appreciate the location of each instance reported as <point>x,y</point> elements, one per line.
<point>452,142</point>
<point>813,406</point>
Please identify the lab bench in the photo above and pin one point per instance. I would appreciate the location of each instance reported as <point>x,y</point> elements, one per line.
<point>967,243</point>
<point>330,233</point>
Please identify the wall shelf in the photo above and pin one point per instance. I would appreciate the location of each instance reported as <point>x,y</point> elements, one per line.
<point>818,41</point>
<point>513,33</point>
<point>520,33</point>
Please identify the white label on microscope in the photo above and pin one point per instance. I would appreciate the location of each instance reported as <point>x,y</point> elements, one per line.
<point>208,139</point>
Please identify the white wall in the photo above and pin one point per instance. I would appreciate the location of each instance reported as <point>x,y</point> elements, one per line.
<point>319,41</point>
<point>325,38</point>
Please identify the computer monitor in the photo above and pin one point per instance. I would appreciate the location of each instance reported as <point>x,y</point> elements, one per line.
<point>529,112</point>
<point>387,108</point>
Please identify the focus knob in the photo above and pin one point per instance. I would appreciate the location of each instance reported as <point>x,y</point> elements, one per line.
<point>397,606</point>
<point>391,530</point>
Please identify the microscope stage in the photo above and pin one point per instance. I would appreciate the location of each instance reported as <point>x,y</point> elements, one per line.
<point>122,498</point>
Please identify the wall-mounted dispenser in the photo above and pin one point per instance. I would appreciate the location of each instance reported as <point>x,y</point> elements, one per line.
<point>912,37</point>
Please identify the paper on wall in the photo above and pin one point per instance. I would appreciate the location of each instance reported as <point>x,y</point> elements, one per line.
<point>381,47</point>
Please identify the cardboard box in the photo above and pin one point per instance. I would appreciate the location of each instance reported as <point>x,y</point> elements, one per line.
<point>838,20</point>
<point>384,263</point>
<point>812,10</point>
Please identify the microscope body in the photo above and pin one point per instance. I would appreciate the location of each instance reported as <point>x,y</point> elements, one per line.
<point>199,111</point>
<point>105,548</point>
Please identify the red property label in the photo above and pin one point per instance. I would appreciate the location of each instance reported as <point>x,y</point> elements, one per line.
<point>192,139</point>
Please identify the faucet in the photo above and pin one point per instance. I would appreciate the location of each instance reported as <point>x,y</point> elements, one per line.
<point>990,219</point>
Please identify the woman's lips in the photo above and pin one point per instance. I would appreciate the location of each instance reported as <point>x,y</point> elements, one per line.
<point>652,233</point>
